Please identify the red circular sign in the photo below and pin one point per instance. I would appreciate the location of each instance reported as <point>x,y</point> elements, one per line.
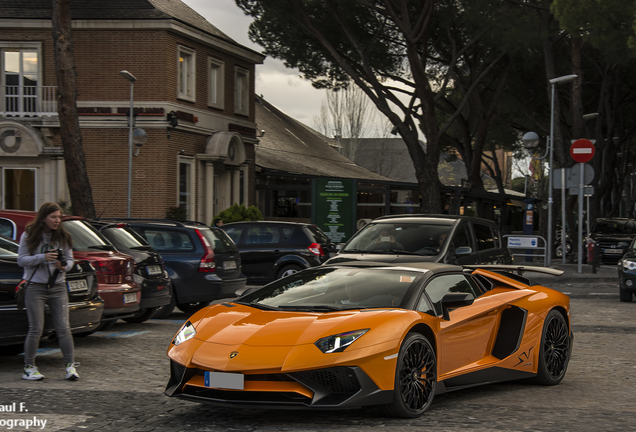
<point>582,150</point>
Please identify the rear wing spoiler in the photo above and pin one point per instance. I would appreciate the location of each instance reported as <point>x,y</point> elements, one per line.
<point>519,269</point>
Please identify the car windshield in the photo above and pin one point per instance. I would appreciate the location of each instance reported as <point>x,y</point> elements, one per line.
<point>411,238</point>
<point>8,248</point>
<point>335,288</point>
<point>219,240</point>
<point>614,227</point>
<point>121,238</point>
<point>85,238</point>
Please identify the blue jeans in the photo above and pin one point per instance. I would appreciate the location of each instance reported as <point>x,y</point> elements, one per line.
<point>37,295</point>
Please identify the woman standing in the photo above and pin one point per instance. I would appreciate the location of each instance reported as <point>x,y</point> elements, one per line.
<point>45,254</point>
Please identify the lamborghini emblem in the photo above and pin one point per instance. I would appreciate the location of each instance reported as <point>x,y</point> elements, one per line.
<point>233,354</point>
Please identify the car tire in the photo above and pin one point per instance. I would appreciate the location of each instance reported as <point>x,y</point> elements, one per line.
<point>191,308</point>
<point>288,270</point>
<point>165,310</point>
<point>143,315</point>
<point>415,378</point>
<point>624,295</point>
<point>105,325</point>
<point>554,353</point>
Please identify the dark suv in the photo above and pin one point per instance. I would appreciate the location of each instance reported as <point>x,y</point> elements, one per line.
<point>203,263</point>
<point>271,250</point>
<point>149,271</point>
<point>432,238</point>
<point>613,236</point>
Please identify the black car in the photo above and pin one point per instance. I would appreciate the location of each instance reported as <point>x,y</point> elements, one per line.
<point>203,263</point>
<point>271,250</point>
<point>420,238</point>
<point>627,273</point>
<point>149,270</point>
<point>613,237</point>
<point>85,305</point>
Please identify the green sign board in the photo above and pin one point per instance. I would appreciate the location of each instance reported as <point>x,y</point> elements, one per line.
<point>334,206</point>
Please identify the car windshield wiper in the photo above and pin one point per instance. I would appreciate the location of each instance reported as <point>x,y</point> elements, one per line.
<point>315,308</point>
<point>257,305</point>
<point>393,251</point>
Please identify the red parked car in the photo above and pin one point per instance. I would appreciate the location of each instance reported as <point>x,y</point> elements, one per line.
<point>116,285</point>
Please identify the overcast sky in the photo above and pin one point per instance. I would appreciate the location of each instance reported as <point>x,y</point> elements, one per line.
<point>280,86</point>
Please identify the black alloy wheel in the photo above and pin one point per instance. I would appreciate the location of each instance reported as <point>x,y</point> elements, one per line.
<point>415,378</point>
<point>555,350</point>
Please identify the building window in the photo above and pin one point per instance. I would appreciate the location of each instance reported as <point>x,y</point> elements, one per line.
<point>216,73</point>
<point>185,72</point>
<point>18,188</point>
<point>186,187</point>
<point>21,83</point>
<point>241,91</point>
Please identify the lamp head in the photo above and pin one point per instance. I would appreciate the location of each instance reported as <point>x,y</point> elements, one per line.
<point>130,77</point>
<point>530,140</point>
<point>563,79</point>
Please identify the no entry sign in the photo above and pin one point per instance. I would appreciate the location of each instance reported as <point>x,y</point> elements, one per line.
<point>582,150</point>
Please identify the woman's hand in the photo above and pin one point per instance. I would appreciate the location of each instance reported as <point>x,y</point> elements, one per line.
<point>50,256</point>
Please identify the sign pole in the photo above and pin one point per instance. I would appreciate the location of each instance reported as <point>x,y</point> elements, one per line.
<point>563,245</point>
<point>579,268</point>
<point>582,151</point>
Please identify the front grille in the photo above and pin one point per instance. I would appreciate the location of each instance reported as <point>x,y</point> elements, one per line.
<point>340,380</point>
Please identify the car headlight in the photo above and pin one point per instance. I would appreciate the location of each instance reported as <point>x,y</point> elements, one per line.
<point>629,265</point>
<point>187,332</point>
<point>338,342</point>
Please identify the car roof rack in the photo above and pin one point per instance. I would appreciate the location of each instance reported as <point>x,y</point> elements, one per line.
<point>173,222</point>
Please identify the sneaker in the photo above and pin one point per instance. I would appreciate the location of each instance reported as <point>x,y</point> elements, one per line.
<point>31,373</point>
<point>71,373</point>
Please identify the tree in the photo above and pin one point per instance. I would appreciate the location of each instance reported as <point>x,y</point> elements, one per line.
<point>345,113</point>
<point>76,173</point>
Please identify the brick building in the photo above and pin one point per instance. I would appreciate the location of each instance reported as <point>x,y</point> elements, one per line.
<point>184,68</point>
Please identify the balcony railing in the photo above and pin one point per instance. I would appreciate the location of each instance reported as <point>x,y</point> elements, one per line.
<point>28,101</point>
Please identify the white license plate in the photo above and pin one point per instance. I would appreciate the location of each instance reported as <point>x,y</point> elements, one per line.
<point>130,298</point>
<point>229,265</point>
<point>613,251</point>
<point>153,270</point>
<point>77,285</point>
<point>233,381</point>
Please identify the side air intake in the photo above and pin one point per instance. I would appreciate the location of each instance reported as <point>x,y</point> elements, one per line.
<point>513,321</point>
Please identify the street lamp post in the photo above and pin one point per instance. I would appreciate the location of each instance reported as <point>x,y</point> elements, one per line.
<point>131,78</point>
<point>553,82</point>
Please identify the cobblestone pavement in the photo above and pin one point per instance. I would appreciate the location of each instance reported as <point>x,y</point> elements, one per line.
<point>124,372</point>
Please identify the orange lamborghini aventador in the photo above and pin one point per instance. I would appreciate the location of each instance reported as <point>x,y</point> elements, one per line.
<point>345,336</point>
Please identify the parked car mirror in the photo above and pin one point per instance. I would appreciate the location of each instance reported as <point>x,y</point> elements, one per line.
<point>463,250</point>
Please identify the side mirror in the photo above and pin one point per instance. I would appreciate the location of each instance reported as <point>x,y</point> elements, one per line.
<point>455,300</point>
<point>463,250</point>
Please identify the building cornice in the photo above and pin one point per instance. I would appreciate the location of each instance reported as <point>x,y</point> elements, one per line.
<point>162,24</point>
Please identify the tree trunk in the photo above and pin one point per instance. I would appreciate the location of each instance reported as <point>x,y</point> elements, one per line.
<point>76,174</point>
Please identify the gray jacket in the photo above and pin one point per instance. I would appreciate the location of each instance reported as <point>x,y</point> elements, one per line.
<point>37,261</point>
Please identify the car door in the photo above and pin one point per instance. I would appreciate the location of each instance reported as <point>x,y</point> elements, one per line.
<point>461,247</point>
<point>466,338</point>
<point>488,242</point>
<point>260,250</point>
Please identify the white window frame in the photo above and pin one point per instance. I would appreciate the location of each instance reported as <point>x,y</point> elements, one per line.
<point>190,185</point>
<point>241,92</point>
<point>186,73</point>
<point>21,46</point>
<point>216,83</point>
